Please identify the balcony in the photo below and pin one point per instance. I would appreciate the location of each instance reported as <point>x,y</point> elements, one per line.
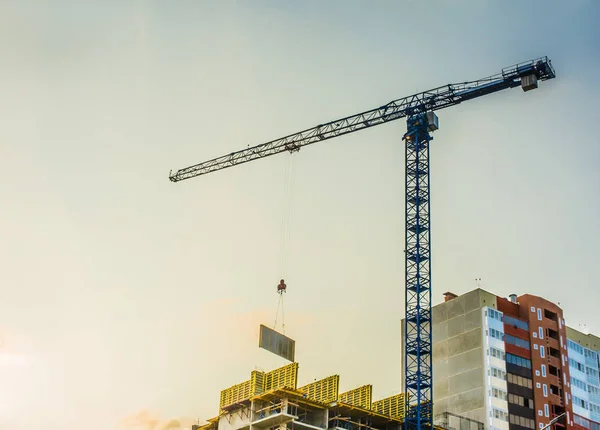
<point>554,399</point>
<point>551,316</point>
<point>272,414</point>
<point>554,380</point>
<point>553,343</point>
<point>553,361</point>
<point>560,424</point>
<point>268,421</point>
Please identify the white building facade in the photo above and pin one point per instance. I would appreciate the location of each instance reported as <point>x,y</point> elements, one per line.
<point>584,368</point>
<point>494,364</point>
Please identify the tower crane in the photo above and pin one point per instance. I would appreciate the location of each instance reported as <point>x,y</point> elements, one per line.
<point>419,109</point>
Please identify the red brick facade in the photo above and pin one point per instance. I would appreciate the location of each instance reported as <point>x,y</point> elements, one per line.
<point>548,337</point>
<point>547,351</point>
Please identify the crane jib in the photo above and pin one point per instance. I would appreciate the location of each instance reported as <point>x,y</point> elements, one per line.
<point>431,100</point>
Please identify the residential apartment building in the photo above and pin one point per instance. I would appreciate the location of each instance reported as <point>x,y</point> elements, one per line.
<point>584,366</point>
<point>507,363</point>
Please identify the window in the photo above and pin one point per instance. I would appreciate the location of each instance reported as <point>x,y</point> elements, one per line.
<point>542,352</point>
<point>508,320</point>
<point>501,415</point>
<point>517,341</point>
<point>580,402</point>
<point>546,410</point>
<point>590,425</point>
<point>579,384</point>
<point>594,408</point>
<point>538,385</point>
<point>575,347</point>
<point>535,334</point>
<point>497,353</point>
<point>591,355</point>
<point>594,390</point>
<point>519,361</point>
<point>540,413</point>
<point>497,373</point>
<point>539,314</point>
<point>494,314</point>
<point>496,334</point>
<point>544,370</point>
<point>532,309</point>
<point>499,394</point>
<point>521,401</point>
<point>537,373</point>
<point>576,365</point>
<point>522,421</point>
<point>541,330</point>
<point>592,374</point>
<point>519,380</point>
<point>545,390</point>
<point>535,346</point>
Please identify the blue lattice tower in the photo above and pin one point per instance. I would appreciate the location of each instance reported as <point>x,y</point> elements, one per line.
<point>417,329</point>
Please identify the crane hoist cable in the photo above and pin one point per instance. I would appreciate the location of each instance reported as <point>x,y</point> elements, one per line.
<point>285,245</point>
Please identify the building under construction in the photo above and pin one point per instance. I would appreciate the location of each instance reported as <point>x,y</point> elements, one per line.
<point>273,401</point>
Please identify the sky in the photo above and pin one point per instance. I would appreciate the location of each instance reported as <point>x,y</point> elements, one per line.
<point>129,301</point>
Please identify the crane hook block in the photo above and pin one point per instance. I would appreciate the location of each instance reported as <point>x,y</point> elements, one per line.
<point>281,288</point>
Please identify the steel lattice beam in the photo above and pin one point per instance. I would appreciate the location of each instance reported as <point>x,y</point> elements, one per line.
<point>417,329</point>
<point>431,100</point>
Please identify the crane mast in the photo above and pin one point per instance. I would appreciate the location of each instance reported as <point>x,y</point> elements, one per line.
<point>421,121</point>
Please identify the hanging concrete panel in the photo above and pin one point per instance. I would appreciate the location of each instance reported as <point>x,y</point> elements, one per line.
<point>277,343</point>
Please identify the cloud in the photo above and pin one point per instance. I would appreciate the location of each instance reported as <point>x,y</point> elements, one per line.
<point>173,424</point>
<point>143,419</point>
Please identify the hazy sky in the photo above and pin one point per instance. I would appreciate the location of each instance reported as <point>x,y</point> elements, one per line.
<point>125,294</point>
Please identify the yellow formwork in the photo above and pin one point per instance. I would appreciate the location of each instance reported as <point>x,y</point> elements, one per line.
<point>325,390</point>
<point>235,394</point>
<point>284,377</point>
<point>257,382</point>
<point>392,406</point>
<point>212,424</point>
<point>360,396</point>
